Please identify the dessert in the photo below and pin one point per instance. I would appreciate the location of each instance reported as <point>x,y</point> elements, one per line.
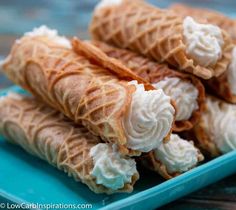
<point>163,36</point>
<point>49,135</point>
<point>89,93</point>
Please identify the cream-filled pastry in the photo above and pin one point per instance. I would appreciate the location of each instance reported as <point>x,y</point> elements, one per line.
<point>220,124</point>
<point>149,118</point>
<point>49,135</point>
<point>118,111</point>
<point>178,155</point>
<point>164,36</point>
<point>204,42</point>
<point>110,168</point>
<point>184,93</point>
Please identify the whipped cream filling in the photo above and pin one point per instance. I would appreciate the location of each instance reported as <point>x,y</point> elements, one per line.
<point>204,42</point>
<point>220,122</point>
<point>51,34</point>
<point>110,168</point>
<point>107,3</point>
<point>149,118</point>
<point>183,93</point>
<point>231,72</point>
<point>178,155</point>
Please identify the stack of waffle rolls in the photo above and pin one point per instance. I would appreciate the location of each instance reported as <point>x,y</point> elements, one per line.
<point>103,105</point>
<point>78,81</point>
<point>155,72</point>
<point>157,34</point>
<point>49,135</point>
<point>87,92</point>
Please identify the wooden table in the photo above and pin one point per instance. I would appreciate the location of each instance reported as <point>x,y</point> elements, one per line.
<point>71,18</point>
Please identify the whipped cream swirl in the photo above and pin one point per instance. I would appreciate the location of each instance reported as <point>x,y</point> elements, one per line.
<point>148,120</point>
<point>107,3</point>
<point>220,122</point>
<point>178,155</point>
<point>110,168</point>
<point>231,72</point>
<point>204,42</point>
<point>51,34</point>
<point>183,93</point>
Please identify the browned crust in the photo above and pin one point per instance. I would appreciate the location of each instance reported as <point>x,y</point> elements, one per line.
<point>154,72</point>
<point>133,24</point>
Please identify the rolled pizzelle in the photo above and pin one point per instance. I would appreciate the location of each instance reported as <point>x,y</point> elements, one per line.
<point>89,94</point>
<point>173,158</point>
<point>224,86</point>
<point>49,135</point>
<point>186,90</point>
<point>163,36</point>
<point>215,133</point>
<point>206,15</point>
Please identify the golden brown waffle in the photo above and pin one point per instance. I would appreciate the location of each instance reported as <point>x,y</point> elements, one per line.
<point>220,86</point>
<point>210,16</point>
<point>97,56</point>
<point>47,134</point>
<point>201,137</point>
<point>154,72</point>
<point>153,32</point>
<point>150,162</point>
<point>85,92</point>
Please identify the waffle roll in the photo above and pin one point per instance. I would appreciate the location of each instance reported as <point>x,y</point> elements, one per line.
<point>155,73</point>
<point>89,93</point>
<point>215,132</point>
<point>206,15</point>
<point>224,86</point>
<point>173,158</point>
<point>163,36</point>
<point>49,135</point>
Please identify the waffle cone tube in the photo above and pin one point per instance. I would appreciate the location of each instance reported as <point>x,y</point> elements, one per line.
<point>220,87</point>
<point>49,135</point>
<point>88,91</point>
<point>153,32</point>
<point>153,163</point>
<point>84,92</point>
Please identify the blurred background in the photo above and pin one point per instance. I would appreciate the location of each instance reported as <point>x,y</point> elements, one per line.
<point>71,17</point>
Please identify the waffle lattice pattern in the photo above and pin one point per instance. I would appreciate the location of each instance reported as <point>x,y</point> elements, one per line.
<point>49,135</point>
<point>84,92</point>
<point>155,33</point>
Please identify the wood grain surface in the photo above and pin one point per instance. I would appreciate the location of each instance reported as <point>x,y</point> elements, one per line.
<point>71,17</point>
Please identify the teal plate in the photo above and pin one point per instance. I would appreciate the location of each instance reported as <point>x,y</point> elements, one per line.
<point>26,179</point>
